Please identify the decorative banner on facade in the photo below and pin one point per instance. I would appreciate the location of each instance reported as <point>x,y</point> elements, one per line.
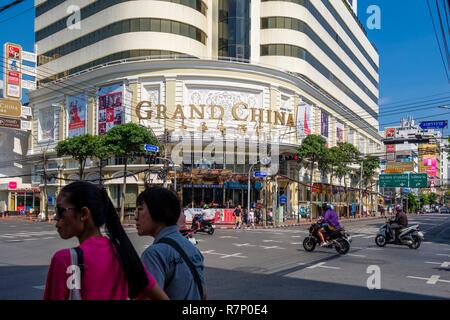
<point>430,167</point>
<point>324,120</point>
<point>304,120</point>
<point>76,109</point>
<point>339,132</point>
<point>110,107</point>
<point>13,58</point>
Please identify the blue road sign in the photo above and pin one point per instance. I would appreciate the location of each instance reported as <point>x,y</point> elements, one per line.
<point>441,124</point>
<point>258,174</point>
<point>283,199</point>
<point>150,148</point>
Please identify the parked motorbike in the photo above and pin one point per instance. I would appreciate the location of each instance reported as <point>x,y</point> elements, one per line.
<point>206,225</point>
<point>339,239</point>
<point>410,236</point>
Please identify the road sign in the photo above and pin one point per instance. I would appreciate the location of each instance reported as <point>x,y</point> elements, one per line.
<point>260,174</point>
<point>10,123</point>
<point>150,148</point>
<point>393,180</point>
<point>418,180</point>
<point>441,124</point>
<point>283,199</point>
<point>265,161</point>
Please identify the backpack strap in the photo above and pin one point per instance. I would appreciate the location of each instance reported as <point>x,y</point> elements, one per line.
<point>188,261</point>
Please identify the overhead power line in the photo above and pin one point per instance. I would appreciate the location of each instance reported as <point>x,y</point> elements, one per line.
<point>10,5</point>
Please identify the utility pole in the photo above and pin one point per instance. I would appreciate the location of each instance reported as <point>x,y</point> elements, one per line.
<point>45,187</point>
<point>360,189</point>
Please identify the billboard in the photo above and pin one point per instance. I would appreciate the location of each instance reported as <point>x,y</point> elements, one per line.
<point>111,110</point>
<point>389,133</point>
<point>339,132</point>
<point>390,148</point>
<point>324,121</point>
<point>76,115</point>
<point>399,167</point>
<point>12,71</point>
<point>304,120</point>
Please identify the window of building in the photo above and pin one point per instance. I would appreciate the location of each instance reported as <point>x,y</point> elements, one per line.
<point>46,124</point>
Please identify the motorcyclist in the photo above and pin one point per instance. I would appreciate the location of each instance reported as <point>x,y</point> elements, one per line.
<point>399,222</point>
<point>330,222</point>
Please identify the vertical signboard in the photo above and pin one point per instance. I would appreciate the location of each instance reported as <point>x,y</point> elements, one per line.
<point>324,120</point>
<point>12,71</point>
<point>304,120</point>
<point>110,107</point>
<point>76,109</point>
<point>339,132</point>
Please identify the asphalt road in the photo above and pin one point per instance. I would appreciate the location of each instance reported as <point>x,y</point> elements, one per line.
<point>264,264</point>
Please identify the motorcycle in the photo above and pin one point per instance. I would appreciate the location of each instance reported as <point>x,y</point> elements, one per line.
<point>206,225</point>
<point>339,239</point>
<point>409,236</point>
<point>189,234</point>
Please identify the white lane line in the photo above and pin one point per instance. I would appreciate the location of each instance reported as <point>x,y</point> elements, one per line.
<point>443,255</point>
<point>272,241</point>
<point>13,241</point>
<point>374,249</point>
<point>228,237</point>
<point>234,255</point>
<point>358,248</point>
<point>296,243</point>
<point>322,265</point>
<point>368,237</point>
<point>46,238</point>
<point>358,235</point>
<point>356,255</point>
<point>434,279</point>
<point>31,239</point>
<point>272,247</point>
<point>444,264</point>
<point>244,245</point>
<point>296,236</point>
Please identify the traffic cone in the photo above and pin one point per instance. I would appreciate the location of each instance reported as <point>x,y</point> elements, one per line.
<point>7,216</point>
<point>3,216</point>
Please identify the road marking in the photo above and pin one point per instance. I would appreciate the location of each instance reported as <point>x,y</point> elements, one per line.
<point>443,255</point>
<point>244,245</point>
<point>444,264</point>
<point>31,239</point>
<point>234,255</point>
<point>358,248</point>
<point>358,235</point>
<point>432,280</point>
<point>40,287</point>
<point>228,237</point>
<point>296,236</point>
<point>375,249</point>
<point>322,265</point>
<point>356,255</point>
<point>12,226</point>
<point>368,237</point>
<point>272,247</point>
<point>272,241</point>
<point>296,243</point>
<point>14,241</point>
<point>46,238</point>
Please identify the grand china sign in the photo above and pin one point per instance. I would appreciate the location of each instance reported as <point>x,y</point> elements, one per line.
<point>145,110</point>
<point>10,108</point>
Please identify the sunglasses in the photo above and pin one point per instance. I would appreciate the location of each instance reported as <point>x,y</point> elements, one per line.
<point>60,211</point>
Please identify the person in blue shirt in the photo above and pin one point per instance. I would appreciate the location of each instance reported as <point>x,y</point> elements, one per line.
<point>157,213</point>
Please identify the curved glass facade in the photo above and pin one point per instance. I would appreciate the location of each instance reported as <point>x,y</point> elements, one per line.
<point>234,29</point>
<point>124,26</point>
<point>115,57</point>
<point>99,6</point>
<point>287,50</point>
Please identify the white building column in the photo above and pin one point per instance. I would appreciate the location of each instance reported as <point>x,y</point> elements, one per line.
<point>255,14</point>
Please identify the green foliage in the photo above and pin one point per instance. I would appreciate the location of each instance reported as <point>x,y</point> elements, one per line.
<point>345,154</point>
<point>80,148</point>
<point>413,202</point>
<point>370,165</point>
<point>102,149</point>
<point>127,138</point>
<point>312,148</point>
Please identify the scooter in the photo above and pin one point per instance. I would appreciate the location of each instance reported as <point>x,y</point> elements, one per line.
<point>206,225</point>
<point>410,236</point>
<point>189,234</point>
<point>339,239</point>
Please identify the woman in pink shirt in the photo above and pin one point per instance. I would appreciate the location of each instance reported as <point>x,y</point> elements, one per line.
<point>112,269</point>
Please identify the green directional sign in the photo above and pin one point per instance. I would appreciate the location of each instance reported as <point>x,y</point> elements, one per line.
<point>393,180</point>
<point>418,180</point>
<point>415,180</point>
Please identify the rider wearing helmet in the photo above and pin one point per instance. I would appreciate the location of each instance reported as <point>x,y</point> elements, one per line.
<point>399,222</point>
<point>330,222</point>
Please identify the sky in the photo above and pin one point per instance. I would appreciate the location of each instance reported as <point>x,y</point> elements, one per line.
<point>411,67</point>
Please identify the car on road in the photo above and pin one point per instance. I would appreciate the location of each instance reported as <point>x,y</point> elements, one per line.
<point>444,210</point>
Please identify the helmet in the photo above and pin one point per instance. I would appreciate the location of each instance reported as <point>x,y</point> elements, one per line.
<point>398,208</point>
<point>331,207</point>
<point>325,206</point>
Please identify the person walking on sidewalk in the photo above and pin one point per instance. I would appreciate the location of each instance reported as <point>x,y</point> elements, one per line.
<point>177,264</point>
<point>251,219</point>
<point>237,214</point>
<point>109,267</point>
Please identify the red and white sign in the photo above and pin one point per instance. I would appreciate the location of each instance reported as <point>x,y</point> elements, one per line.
<point>12,185</point>
<point>13,78</point>
<point>390,148</point>
<point>12,67</point>
<point>14,51</point>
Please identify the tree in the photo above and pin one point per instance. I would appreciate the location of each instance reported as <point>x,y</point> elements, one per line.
<point>102,152</point>
<point>432,198</point>
<point>79,147</point>
<point>412,202</point>
<point>124,140</point>
<point>347,154</point>
<point>312,149</point>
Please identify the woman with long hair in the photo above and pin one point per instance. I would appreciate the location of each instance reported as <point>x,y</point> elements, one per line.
<point>111,268</point>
